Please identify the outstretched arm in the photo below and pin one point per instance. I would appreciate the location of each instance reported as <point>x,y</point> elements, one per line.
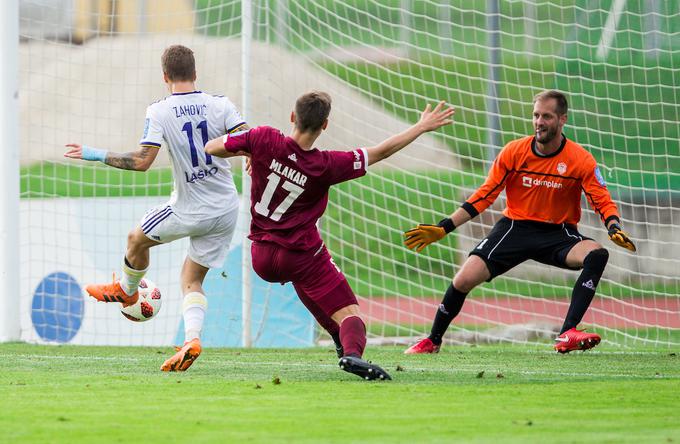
<point>424,234</point>
<point>217,147</point>
<point>430,120</point>
<point>139,160</point>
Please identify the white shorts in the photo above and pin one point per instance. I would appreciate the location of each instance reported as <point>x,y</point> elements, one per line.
<point>209,238</point>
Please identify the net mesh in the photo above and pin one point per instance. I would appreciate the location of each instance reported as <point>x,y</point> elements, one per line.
<point>89,69</point>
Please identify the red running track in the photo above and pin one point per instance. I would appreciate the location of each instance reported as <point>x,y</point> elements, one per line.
<point>607,312</point>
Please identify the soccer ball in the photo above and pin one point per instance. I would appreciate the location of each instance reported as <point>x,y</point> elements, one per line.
<point>147,306</point>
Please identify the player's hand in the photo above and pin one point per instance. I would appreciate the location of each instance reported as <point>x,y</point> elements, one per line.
<point>620,237</point>
<point>75,151</point>
<point>431,119</point>
<point>423,235</point>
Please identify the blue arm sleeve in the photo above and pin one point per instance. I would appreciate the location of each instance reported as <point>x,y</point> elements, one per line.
<point>91,153</point>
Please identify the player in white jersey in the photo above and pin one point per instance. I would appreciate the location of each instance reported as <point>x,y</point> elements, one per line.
<point>203,205</point>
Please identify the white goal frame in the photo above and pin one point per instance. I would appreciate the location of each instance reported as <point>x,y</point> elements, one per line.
<point>9,172</point>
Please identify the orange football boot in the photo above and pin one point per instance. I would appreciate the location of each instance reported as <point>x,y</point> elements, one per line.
<point>111,293</point>
<point>573,339</point>
<point>423,346</point>
<point>185,356</point>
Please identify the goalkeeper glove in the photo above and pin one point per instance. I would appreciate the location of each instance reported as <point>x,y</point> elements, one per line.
<point>620,237</point>
<point>424,234</point>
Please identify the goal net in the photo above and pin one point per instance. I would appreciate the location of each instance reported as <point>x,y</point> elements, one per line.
<point>88,70</point>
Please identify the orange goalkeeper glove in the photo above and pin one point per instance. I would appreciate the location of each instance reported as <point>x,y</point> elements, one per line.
<point>424,234</point>
<point>620,237</point>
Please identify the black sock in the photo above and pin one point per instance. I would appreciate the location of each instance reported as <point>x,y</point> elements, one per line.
<point>338,344</point>
<point>584,289</point>
<point>448,309</point>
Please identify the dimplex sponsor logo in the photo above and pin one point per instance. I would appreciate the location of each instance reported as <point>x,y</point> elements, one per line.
<point>529,182</point>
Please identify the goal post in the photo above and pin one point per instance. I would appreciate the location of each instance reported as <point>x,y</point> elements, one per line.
<point>88,74</point>
<point>10,254</point>
<point>247,287</point>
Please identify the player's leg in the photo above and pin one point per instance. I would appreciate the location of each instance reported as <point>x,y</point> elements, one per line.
<point>208,246</point>
<point>567,248</point>
<point>194,307</point>
<point>136,260</point>
<point>326,322</point>
<point>195,303</point>
<point>473,272</point>
<point>135,264</point>
<point>321,280</point>
<point>274,264</point>
<point>277,265</point>
<point>352,333</point>
<point>500,251</point>
<point>352,326</point>
<point>152,230</point>
<point>592,257</point>
<point>157,226</point>
<point>327,294</point>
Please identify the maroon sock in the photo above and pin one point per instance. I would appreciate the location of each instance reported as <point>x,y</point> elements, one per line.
<point>353,336</point>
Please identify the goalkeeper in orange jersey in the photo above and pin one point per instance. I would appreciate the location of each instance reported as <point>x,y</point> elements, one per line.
<point>543,175</point>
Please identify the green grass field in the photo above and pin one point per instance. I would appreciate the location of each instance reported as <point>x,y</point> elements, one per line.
<point>72,394</point>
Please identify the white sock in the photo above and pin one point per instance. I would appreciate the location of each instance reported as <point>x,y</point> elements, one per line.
<point>194,308</point>
<point>129,282</point>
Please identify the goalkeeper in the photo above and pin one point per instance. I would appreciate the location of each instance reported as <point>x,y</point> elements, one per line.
<point>543,175</point>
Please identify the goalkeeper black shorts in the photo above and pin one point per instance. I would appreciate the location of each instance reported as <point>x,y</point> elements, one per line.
<point>512,242</point>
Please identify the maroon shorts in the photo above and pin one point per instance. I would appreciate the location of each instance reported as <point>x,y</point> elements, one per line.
<point>312,272</point>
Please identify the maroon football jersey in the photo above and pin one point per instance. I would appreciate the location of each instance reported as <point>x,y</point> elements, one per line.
<point>289,186</point>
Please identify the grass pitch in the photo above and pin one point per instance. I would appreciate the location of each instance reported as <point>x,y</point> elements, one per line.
<point>464,394</point>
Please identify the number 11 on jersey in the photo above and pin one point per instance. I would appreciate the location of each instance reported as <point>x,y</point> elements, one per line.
<point>203,126</point>
<point>262,207</point>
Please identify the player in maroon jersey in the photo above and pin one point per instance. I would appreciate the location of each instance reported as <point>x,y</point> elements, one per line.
<point>289,193</point>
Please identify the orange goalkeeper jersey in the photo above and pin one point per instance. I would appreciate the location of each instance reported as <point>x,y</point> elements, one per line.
<point>544,188</point>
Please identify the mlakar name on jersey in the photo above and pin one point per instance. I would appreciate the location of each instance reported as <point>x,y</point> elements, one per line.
<point>190,110</point>
<point>288,172</point>
<point>200,174</point>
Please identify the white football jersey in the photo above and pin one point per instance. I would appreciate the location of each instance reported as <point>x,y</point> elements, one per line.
<point>204,186</point>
